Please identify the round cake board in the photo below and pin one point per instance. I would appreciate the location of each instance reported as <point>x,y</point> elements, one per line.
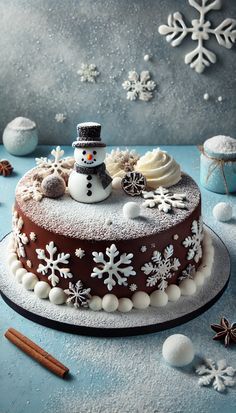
<point>100,323</point>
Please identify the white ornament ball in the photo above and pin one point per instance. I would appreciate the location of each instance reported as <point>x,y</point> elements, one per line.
<point>116,182</point>
<point>222,211</point>
<point>15,265</point>
<point>29,280</point>
<point>110,303</point>
<point>178,350</point>
<point>12,257</point>
<point>53,186</point>
<point>141,300</point>
<point>125,305</point>
<point>206,96</point>
<point>95,303</point>
<point>158,298</point>
<point>42,289</point>
<point>19,274</point>
<point>57,296</point>
<point>131,210</point>
<point>187,287</point>
<point>173,292</point>
<point>220,99</point>
<point>146,58</point>
<point>20,136</point>
<point>199,279</point>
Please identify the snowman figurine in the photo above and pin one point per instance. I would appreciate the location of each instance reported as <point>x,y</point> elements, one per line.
<point>89,182</point>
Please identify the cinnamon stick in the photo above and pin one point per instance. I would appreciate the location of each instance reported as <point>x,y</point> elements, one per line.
<point>36,352</point>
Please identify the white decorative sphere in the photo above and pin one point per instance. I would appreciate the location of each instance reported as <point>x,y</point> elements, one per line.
<point>116,182</point>
<point>146,58</point>
<point>42,289</point>
<point>15,265</point>
<point>223,211</point>
<point>57,296</point>
<point>187,287</point>
<point>29,280</point>
<point>178,350</point>
<point>12,257</point>
<point>206,96</point>
<point>173,292</point>
<point>131,210</point>
<point>19,274</point>
<point>95,303</point>
<point>20,136</point>
<point>125,305</point>
<point>141,300</point>
<point>110,303</point>
<point>199,279</point>
<point>158,298</point>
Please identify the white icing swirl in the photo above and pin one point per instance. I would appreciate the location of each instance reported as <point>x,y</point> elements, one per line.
<point>159,169</point>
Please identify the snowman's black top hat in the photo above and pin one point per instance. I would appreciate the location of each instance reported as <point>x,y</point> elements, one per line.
<point>88,135</point>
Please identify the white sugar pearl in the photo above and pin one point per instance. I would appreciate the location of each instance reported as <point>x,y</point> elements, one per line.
<point>110,303</point>
<point>116,182</point>
<point>11,258</point>
<point>125,305</point>
<point>220,99</point>
<point>19,274</point>
<point>146,58</point>
<point>141,300</point>
<point>42,289</point>
<point>95,303</point>
<point>206,96</point>
<point>199,279</point>
<point>222,211</point>
<point>15,265</point>
<point>158,298</point>
<point>178,350</point>
<point>187,287</point>
<point>173,292</point>
<point>131,210</point>
<point>57,296</point>
<point>29,280</point>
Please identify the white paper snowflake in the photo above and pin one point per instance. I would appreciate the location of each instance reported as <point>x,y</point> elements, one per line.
<point>79,253</point>
<point>188,273</point>
<point>117,271</point>
<point>20,238</point>
<point>163,199</point>
<point>58,165</point>
<point>193,243</point>
<point>133,287</point>
<point>78,295</point>
<point>201,29</point>
<point>60,117</point>
<point>88,73</point>
<point>139,87</point>
<point>217,374</point>
<point>33,236</point>
<point>52,264</point>
<point>31,190</point>
<point>143,248</point>
<point>161,267</point>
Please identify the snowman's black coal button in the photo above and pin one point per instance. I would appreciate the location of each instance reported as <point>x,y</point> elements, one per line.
<point>89,185</point>
<point>89,177</point>
<point>89,193</point>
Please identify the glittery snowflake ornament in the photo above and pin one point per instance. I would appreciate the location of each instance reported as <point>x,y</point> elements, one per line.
<point>217,374</point>
<point>201,30</point>
<point>88,73</point>
<point>133,183</point>
<point>139,87</point>
<point>78,295</point>
<point>163,199</point>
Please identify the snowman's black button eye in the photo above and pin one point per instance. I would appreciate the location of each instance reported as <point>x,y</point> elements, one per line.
<point>94,152</point>
<point>84,152</point>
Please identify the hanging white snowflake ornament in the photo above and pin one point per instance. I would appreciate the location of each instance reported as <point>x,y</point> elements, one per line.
<point>201,30</point>
<point>163,199</point>
<point>116,268</point>
<point>88,73</point>
<point>20,238</point>
<point>78,295</point>
<point>193,243</point>
<point>51,266</point>
<point>59,165</point>
<point>217,374</point>
<point>139,87</point>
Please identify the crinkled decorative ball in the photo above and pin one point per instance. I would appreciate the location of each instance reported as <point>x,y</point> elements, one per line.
<point>133,183</point>
<point>125,305</point>
<point>53,186</point>
<point>57,296</point>
<point>131,210</point>
<point>141,300</point>
<point>95,303</point>
<point>116,182</point>
<point>29,280</point>
<point>110,303</point>
<point>42,289</point>
<point>222,211</point>
<point>178,350</point>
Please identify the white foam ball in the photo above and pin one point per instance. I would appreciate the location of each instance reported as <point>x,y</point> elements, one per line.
<point>187,287</point>
<point>29,280</point>
<point>178,350</point>
<point>42,289</point>
<point>158,298</point>
<point>110,303</point>
<point>199,279</point>
<point>125,305</point>
<point>141,300</point>
<point>19,274</point>
<point>173,292</point>
<point>15,265</point>
<point>57,296</point>
<point>116,182</point>
<point>12,257</point>
<point>95,303</point>
<point>131,210</point>
<point>222,211</point>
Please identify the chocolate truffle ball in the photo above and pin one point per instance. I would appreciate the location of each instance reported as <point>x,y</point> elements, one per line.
<point>53,186</point>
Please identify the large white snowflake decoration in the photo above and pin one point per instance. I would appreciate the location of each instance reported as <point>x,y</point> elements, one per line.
<point>217,374</point>
<point>31,190</point>
<point>78,295</point>
<point>20,238</point>
<point>193,243</point>
<point>163,199</point>
<point>117,271</point>
<point>88,73</point>
<point>51,266</point>
<point>58,165</point>
<point>201,29</point>
<point>161,267</point>
<point>139,87</point>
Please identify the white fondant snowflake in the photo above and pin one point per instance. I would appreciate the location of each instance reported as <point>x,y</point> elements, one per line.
<point>139,87</point>
<point>143,248</point>
<point>217,374</point>
<point>30,190</point>
<point>161,268</point>
<point>133,287</point>
<point>201,29</point>
<point>88,73</point>
<point>193,243</point>
<point>33,236</point>
<point>163,199</point>
<point>52,264</point>
<point>78,295</point>
<point>189,272</point>
<point>60,117</point>
<point>58,165</point>
<point>117,271</point>
<point>20,238</point>
<point>79,253</point>
<point>29,263</point>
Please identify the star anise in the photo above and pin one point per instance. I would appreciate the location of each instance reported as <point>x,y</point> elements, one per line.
<point>5,168</point>
<point>225,331</point>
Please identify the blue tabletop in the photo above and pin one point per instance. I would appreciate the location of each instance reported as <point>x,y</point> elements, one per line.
<point>115,375</point>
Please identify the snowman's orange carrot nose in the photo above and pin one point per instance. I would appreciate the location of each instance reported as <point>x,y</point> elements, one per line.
<point>89,157</point>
